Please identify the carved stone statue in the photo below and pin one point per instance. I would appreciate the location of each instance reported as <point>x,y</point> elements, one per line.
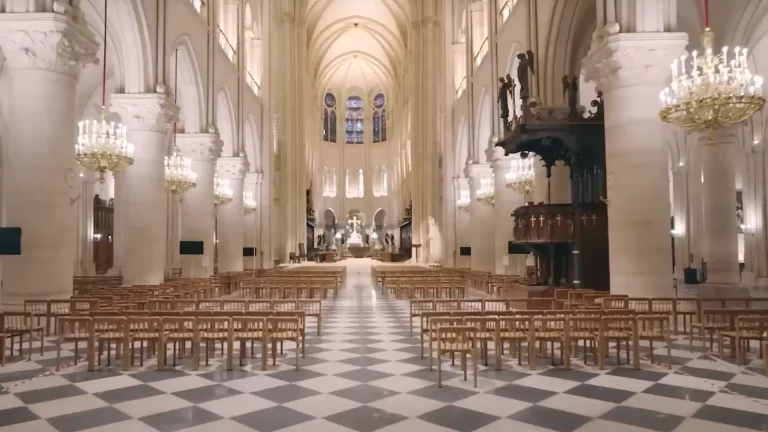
<point>571,93</point>
<point>503,101</point>
<point>524,71</point>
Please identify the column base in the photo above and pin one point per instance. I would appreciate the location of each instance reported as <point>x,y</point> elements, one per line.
<point>642,286</point>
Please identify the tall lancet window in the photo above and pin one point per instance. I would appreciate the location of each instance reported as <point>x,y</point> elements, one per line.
<point>380,181</point>
<point>384,186</point>
<point>360,184</point>
<point>329,118</point>
<point>354,188</point>
<point>329,182</point>
<point>353,126</point>
<point>333,183</point>
<point>379,118</point>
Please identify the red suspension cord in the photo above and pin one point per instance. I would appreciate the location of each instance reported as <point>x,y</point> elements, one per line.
<point>706,13</point>
<point>104,62</point>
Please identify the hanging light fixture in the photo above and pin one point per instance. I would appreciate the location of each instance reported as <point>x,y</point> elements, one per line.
<point>101,145</point>
<point>179,176</point>
<point>222,194</point>
<point>716,90</point>
<point>249,203</point>
<point>487,191</point>
<point>464,200</point>
<point>520,176</point>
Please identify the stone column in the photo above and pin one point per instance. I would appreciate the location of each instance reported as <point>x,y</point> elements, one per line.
<point>507,200</point>
<point>252,184</point>
<point>231,218</point>
<point>198,212</point>
<point>44,54</point>
<point>86,266</point>
<point>173,256</point>
<point>140,189</point>
<point>482,221</point>
<point>682,230</point>
<point>720,233</point>
<point>631,69</point>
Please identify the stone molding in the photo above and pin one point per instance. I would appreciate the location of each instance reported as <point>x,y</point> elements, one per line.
<point>200,146</point>
<point>478,171</point>
<point>150,112</point>
<point>233,168</point>
<point>49,41</point>
<point>634,59</point>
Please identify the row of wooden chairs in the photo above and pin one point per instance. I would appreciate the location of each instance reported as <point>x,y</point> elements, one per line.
<point>434,290</point>
<point>303,290</point>
<point>102,331</point>
<point>463,332</point>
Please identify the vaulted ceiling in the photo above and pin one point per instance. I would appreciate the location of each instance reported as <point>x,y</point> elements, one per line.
<point>357,43</point>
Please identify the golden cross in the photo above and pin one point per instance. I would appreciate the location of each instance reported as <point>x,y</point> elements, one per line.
<point>559,218</point>
<point>541,220</point>
<point>594,218</point>
<point>584,219</point>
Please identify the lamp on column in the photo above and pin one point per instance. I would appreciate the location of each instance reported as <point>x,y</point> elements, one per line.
<point>464,200</point>
<point>249,203</point>
<point>716,90</point>
<point>179,176</point>
<point>520,176</point>
<point>222,194</point>
<point>101,145</point>
<point>487,191</point>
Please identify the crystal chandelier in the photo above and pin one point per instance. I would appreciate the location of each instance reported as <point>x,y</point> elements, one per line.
<point>520,176</point>
<point>486,191</point>
<point>222,194</point>
<point>711,90</point>
<point>463,202</point>
<point>179,176</point>
<point>249,203</point>
<point>101,145</point>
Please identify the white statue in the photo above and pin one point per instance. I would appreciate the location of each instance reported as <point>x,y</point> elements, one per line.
<point>434,248</point>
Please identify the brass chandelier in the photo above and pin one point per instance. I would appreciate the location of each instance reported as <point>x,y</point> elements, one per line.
<point>711,90</point>
<point>102,145</point>
<point>486,193</point>
<point>249,203</point>
<point>520,176</point>
<point>222,194</point>
<point>179,176</point>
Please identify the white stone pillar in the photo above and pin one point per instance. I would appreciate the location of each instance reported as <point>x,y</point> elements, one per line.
<point>459,65</point>
<point>252,183</point>
<point>86,265</point>
<point>507,200</point>
<point>198,212</point>
<point>140,189</point>
<point>462,221</point>
<point>482,221</point>
<point>255,60</point>
<point>477,27</point>
<point>231,218</point>
<point>38,151</point>
<point>680,211</point>
<point>173,257</point>
<point>631,69</point>
<point>720,233</point>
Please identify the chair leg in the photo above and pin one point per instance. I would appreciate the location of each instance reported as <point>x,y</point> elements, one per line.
<point>439,369</point>
<point>474,366</point>
<point>297,353</point>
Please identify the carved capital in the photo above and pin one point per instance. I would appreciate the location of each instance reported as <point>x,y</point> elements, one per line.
<point>254,178</point>
<point>200,147</point>
<point>152,112</point>
<point>634,59</point>
<point>475,172</point>
<point>232,167</point>
<point>47,41</point>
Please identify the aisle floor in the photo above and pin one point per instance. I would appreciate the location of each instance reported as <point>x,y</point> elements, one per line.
<point>365,374</point>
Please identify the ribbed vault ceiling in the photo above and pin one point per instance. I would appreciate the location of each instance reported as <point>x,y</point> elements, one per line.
<point>357,43</point>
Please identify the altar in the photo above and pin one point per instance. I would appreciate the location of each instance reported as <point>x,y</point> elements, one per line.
<point>356,245</point>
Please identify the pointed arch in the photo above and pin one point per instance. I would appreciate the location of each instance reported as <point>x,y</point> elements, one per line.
<point>252,147</point>
<point>225,122</point>
<point>190,85</point>
<point>462,147</point>
<point>483,126</point>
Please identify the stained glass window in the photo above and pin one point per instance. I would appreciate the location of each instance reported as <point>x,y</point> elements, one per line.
<point>379,118</point>
<point>329,118</point>
<point>353,125</point>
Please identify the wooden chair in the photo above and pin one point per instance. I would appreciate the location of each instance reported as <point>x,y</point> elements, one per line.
<point>2,339</point>
<point>108,330</point>
<point>712,321</point>
<point>747,329</point>
<point>652,328</point>
<point>433,324</point>
<point>418,307</point>
<point>618,328</point>
<point>39,312</point>
<point>584,328</point>
<point>487,331</point>
<point>284,329</point>
<point>513,329</point>
<point>20,324</point>
<point>179,330</point>
<point>543,330</point>
<point>312,308</point>
<point>460,340</point>
<point>75,329</point>
<point>215,329</point>
<point>251,329</point>
<point>145,329</point>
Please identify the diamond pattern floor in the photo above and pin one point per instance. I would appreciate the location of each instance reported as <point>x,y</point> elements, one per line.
<point>365,374</point>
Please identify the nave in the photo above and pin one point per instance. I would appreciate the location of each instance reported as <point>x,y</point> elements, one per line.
<point>365,373</point>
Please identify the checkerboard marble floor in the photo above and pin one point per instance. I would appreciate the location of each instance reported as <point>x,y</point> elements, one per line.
<point>365,374</point>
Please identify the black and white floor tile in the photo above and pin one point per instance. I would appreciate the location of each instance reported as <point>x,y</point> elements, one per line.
<point>365,374</point>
